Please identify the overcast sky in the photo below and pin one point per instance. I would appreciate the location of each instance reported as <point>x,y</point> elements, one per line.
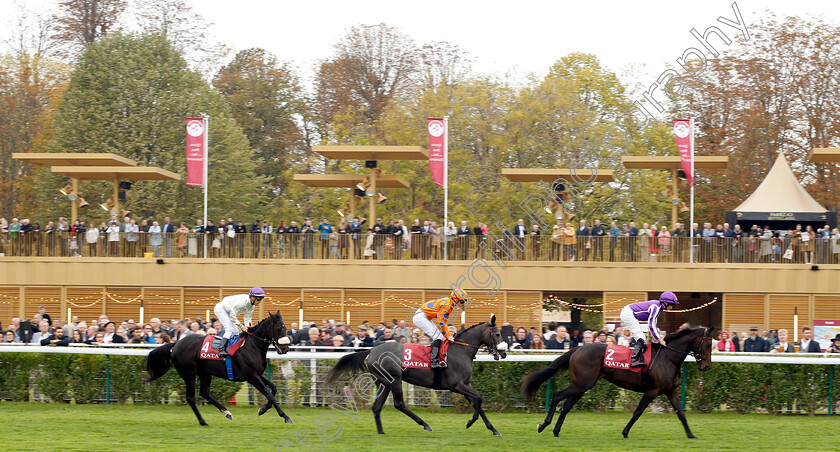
<point>502,36</point>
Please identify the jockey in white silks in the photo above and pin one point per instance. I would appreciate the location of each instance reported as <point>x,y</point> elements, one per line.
<point>227,310</point>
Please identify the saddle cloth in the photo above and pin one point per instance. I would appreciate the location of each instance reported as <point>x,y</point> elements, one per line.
<point>416,356</point>
<point>211,344</point>
<point>618,357</point>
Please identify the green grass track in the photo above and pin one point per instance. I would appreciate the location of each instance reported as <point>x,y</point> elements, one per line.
<point>42,426</point>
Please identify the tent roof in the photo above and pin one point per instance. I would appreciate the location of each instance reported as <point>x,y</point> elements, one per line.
<point>780,192</point>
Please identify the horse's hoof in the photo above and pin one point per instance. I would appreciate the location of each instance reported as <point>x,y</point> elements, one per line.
<point>289,420</point>
<point>470,423</point>
<point>496,433</point>
<point>228,415</point>
<point>427,428</point>
<point>540,428</point>
<point>381,433</point>
<point>625,434</point>
<point>262,411</point>
<point>692,437</point>
<point>203,424</point>
<point>556,434</point>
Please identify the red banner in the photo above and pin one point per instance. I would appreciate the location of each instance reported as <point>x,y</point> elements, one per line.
<point>195,152</point>
<point>682,135</point>
<point>436,149</point>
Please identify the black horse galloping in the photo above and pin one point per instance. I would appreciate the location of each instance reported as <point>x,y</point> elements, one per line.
<point>586,367</point>
<point>248,363</point>
<point>384,362</point>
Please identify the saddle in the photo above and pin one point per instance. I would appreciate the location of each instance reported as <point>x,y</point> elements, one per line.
<point>618,357</point>
<point>417,356</point>
<point>210,346</point>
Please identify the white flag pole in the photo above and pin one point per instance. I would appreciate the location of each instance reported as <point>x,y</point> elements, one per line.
<point>206,158</point>
<point>691,143</point>
<point>445,183</point>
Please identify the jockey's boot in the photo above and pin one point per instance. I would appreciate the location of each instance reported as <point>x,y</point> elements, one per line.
<point>638,360</point>
<point>435,358</point>
<point>223,353</point>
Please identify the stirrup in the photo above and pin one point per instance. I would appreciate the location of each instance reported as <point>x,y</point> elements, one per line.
<point>436,364</point>
<point>223,353</point>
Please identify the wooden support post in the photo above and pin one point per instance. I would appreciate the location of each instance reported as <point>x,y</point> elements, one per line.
<point>74,204</point>
<point>372,199</point>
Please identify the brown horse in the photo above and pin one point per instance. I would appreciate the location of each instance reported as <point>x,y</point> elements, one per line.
<point>586,367</point>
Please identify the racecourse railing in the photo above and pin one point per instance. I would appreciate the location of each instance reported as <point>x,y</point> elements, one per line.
<point>300,372</point>
<point>559,247</point>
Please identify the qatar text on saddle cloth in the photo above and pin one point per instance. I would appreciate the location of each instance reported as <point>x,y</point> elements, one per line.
<point>208,351</point>
<point>416,356</point>
<point>618,357</point>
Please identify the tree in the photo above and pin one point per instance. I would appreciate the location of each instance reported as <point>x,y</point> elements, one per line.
<point>185,28</point>
<point>29,81</point>
<point>780,93</point>
<point>81,22</point>
<point>266,100</point>
<point>373,65</point>
<point>130,95</point>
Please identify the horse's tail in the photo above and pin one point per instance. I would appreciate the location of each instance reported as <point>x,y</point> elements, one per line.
<point>353,362</point>
<point>159,362</point>
<point>532,382</point>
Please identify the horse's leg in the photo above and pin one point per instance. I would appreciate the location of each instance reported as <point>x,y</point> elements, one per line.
<point>643,404</point>
<point>378,404</point>
<point>558,397</point>
<point>572,399</point>
<point>475,399</point>
<point>189,381</point>
<point>674,398</point>
<point>273,389</point>
<point>204,391</point>
<point>256,381</point>
<point>399,403</point>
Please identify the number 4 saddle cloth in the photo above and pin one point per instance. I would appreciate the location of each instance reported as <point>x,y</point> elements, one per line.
<point>618,357</point>
<point>211,344</point>
<point>416,356</point>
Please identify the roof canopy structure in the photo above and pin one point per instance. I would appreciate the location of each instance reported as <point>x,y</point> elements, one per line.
<point>73,159</point>
<point>350,180</point>
<point>372,152</point>
<point>673,162</point>
<point>780,198</point>
<point>115,172</point>
<point>552,174</point>
<point>825,155</point>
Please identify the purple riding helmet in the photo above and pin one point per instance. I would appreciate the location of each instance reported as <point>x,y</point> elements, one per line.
<point>668,297</point>
<point>257,292</point>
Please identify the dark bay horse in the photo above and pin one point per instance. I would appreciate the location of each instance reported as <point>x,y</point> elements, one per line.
<point>384,362</point>
<point>248,363</point>
<point>586,367</point>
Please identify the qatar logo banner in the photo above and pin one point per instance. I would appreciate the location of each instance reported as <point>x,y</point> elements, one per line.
<point>436,149</point>
<point>682,135</point>
<point>195,152</point>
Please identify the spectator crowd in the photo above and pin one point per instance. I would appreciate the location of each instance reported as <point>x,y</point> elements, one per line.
<point>397,239</point>
<point>331,335</point>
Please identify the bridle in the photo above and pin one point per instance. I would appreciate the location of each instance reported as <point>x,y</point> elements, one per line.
<point>694,353</point>
<point>272,339</point>
<point>496,352</point>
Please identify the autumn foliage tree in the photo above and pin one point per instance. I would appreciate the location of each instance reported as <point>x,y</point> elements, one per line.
<point>778,92</point>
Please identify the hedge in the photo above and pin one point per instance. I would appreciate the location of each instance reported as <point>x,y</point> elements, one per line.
<point>740,387</point>
<point>83,378</point>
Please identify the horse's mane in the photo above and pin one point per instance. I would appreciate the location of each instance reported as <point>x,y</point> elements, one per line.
<point>457,335</point>
<point>681,333</point>
<point>254,328</point>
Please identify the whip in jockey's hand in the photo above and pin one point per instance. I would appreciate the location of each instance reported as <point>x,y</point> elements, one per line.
<point>227,310</point>
<point>646,310</point>
<point>432,318</point>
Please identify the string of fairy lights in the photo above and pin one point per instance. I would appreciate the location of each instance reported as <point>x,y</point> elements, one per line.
<point>618,301</point>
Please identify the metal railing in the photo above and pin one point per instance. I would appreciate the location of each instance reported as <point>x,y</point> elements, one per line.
<point>424,247</point>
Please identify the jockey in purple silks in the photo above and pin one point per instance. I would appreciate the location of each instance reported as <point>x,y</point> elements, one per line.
<point>645,310</point>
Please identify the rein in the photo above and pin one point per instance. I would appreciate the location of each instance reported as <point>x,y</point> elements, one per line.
<point>696,355</point>
<point>466,344</point>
